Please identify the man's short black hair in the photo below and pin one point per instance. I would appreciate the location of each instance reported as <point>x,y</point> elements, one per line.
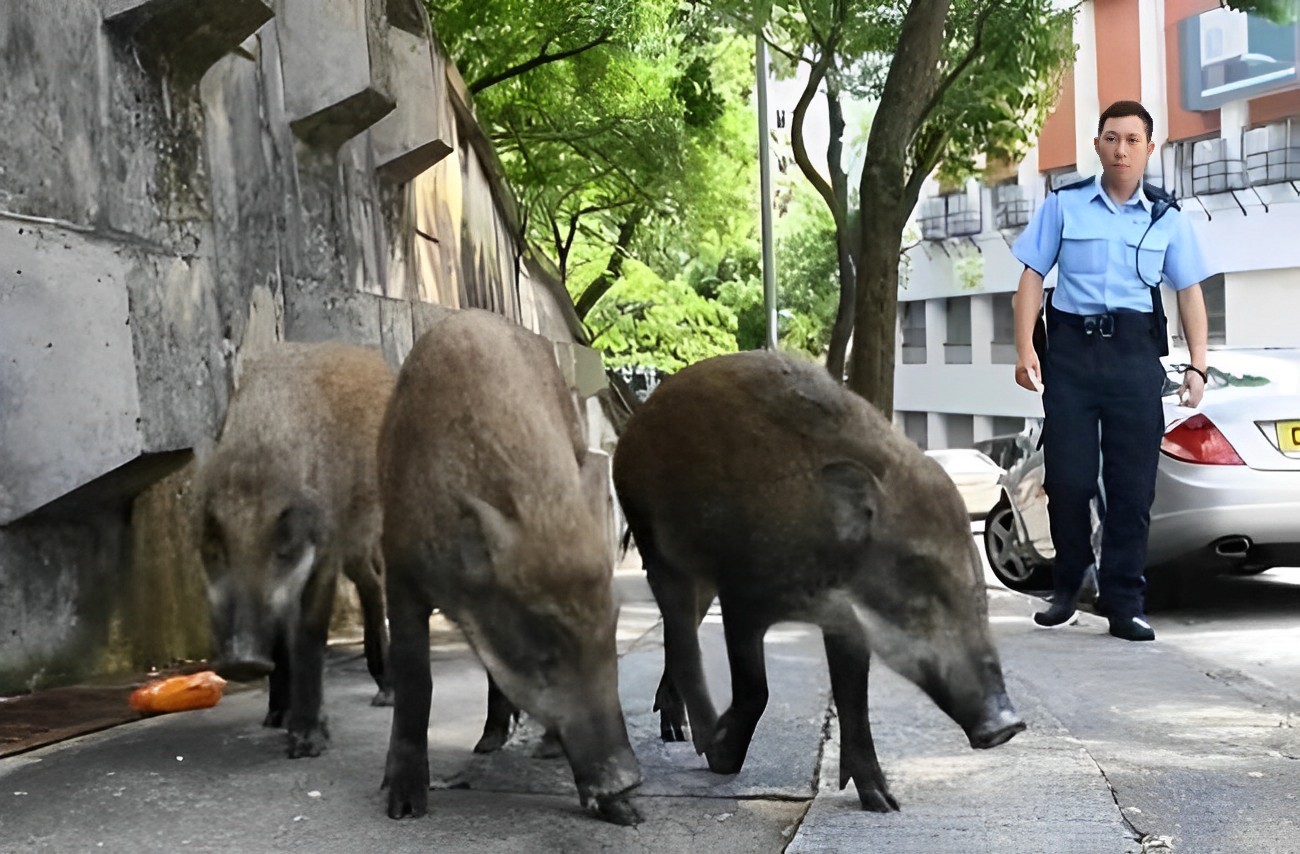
<point>1119,109</point>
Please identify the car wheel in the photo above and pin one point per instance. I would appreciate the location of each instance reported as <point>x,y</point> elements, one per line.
<point>1005,554</point>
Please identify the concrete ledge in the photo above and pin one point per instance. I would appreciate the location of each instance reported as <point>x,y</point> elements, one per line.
<point>335,124</point>
<point>335,66</point>
<point>408,15</point>
<point>185,36</point>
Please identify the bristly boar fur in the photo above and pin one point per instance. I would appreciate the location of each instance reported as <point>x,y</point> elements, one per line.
<point>288,500</point>
<point>758,478</point>
<point>494,512</point>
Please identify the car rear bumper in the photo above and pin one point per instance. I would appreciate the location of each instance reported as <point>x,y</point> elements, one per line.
<point>1198,506</point>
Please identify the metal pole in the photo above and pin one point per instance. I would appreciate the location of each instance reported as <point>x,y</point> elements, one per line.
<point>765,191</point>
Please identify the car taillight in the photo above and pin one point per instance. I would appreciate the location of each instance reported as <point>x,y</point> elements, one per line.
<point>1197,440</point>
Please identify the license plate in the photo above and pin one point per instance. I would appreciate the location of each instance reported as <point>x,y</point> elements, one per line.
<point>1288,435</point>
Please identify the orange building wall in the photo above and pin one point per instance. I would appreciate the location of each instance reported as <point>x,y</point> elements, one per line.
<point>1119,51</point>
<point>1056,141</point>
<point>1182,123</point>
<point>1271,108</point>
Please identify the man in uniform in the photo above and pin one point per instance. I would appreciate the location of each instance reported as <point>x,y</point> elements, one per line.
<point>1113,241</point>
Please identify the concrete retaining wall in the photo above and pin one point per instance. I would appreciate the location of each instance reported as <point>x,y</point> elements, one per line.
<point>182,181</point>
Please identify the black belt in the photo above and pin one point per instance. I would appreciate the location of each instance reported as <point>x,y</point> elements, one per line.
<point>1104,325</point>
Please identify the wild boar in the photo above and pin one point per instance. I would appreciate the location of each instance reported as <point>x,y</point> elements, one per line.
<point>756,476</point>
<point>493,514</point>
<point>287,500</point>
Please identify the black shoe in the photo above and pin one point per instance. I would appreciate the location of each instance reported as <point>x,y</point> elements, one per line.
<point>1132,629</point>
<point>1057,614</point>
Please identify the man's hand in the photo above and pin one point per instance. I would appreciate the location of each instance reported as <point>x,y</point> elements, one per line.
<point>1192,390</point>
<point>1029,375</point>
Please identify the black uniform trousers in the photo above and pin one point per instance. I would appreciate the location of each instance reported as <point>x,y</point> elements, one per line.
<point>1102,382</point>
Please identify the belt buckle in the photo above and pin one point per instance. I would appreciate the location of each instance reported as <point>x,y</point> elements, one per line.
<point>1103,324</point>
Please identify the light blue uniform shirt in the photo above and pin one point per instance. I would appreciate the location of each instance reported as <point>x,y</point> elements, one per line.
<point>1095,242</point>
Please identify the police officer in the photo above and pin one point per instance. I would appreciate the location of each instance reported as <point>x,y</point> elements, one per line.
<point>1113,241</point>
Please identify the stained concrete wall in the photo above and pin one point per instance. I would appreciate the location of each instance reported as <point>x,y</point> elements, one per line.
<point>181,183</point>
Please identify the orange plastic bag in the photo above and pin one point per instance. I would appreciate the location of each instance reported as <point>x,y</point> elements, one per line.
<point>178,693</point>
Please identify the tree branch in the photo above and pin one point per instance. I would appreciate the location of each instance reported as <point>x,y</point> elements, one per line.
<point>923,164</point>
<point>541,59</point>
<point>955,73</point>
<point>613,268</point>
<point>815,77</point>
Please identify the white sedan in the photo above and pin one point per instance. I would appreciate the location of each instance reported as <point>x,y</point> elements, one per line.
<point>978,478</point>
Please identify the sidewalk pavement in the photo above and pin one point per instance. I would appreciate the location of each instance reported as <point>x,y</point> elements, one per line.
<point>1131,748</point>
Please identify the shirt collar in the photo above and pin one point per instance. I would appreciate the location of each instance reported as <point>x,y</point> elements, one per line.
<point>1139,196</point>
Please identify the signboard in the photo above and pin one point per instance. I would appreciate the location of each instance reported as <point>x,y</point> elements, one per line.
<point>1227,55</point>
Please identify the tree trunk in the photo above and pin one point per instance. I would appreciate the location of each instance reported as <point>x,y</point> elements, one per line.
<point>845,245</point>
<point>614,268</point>
<point>914,77</point>
<point>871,368</point>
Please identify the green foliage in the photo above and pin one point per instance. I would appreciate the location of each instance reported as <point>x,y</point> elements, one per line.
<point>1280,11</point>
<point>664,324</point>
<point>999,105</point>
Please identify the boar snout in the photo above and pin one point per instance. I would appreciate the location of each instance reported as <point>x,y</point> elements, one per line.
<point>604,767</point>
<point>245,669</point>
<point>979,705</point>
<point>999,724</point>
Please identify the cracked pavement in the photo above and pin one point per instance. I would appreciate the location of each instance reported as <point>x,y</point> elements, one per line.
<point>1131,748</point>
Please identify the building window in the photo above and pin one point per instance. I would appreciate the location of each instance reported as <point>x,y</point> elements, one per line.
<point>1215,308</point>
<point>960,430</point>
<point>956,348</point>
<point>1006,425</point>
<point>1002,350</point>
<point>916,427</point>
<point>912,320</point>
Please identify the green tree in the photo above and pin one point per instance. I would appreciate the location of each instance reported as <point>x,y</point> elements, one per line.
<point>663,324</point>
<point>954,79</point>
<point>627,132</point>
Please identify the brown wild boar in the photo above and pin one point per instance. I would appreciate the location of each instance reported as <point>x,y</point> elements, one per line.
<point>493,513</point>
<point>287,500</point>
<point>757,477</point>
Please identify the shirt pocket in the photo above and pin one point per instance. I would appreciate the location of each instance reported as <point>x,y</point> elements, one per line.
<point>1149,260</point>
<point>1084,246</point>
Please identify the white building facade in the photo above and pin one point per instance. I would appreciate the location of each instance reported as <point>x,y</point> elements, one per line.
<point>1224,91</point>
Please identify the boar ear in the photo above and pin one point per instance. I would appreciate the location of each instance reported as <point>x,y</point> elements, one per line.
<point>487,537</point>
<point>851,495</point>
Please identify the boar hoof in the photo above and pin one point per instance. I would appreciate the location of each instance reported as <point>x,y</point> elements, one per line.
<point>383,697</point>
<point>493,739</point>
<point>274,719</point>
<point>672,725</point>
<point>309,742</point>
<point>617,809</point>
<point>725,755</point>
<point>877,799</point>
<point>549,747</point>
<point>672,713</point>
<point>407,797</point>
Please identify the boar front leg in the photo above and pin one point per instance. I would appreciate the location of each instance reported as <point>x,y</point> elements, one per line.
<point>668,700</point>
<point>849,658</point>
<point>735,729</point>
<point>308,732</point>
<point>501,713</point>
<point>406,772</point>
<point>367,575</point>
<point>678,597</point>
<point>278,704</point>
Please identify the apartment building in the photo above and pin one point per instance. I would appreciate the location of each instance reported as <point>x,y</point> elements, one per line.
<point>1224,90</point>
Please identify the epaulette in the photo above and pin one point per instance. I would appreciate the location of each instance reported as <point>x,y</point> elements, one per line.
<point>1077,185</point>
